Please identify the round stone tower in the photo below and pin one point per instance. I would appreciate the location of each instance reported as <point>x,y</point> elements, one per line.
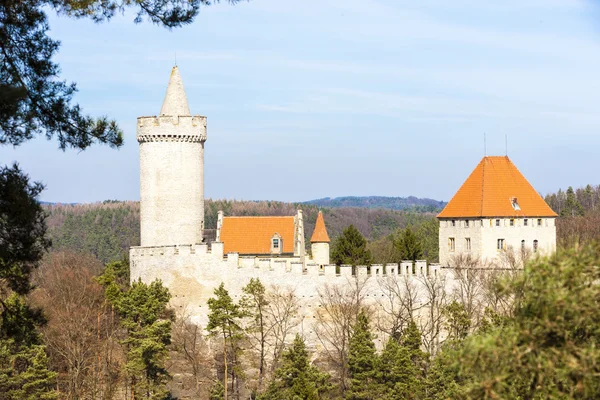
<point>172,171</point>
<point>319,242</point>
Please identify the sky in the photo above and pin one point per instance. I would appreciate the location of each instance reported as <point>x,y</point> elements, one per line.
<point>311,99</point>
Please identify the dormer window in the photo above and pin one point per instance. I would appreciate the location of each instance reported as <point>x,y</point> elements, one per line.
<point>515,204</point>
<point>276,244</point>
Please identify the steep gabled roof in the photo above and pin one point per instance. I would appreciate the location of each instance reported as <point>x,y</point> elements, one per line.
<point>320,233</point>
<point>252,235</point>
<point>496,188</point>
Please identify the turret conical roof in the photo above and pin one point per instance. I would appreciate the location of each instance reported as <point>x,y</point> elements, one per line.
<point>175,103</point>
<point>320,233</point>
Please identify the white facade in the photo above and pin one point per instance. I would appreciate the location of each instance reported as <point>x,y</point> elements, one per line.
<point>320,253</point>
<point>487,238</point>
<point>172,172</point>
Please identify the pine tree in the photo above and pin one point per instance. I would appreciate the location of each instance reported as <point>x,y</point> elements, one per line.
<point>143,313</point>
<point>399,376</point>
<point>295,378</point>
<point>351,248</point>
<point>362,362</point>
<point>408,245</point>
<point>253,304</point>
<point>457,321</point>
<point>224,321</point>
<point>572,205</point>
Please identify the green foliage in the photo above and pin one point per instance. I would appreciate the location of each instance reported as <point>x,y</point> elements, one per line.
<point>143,313</point>
<point>33,99</point>
<point>22,228</point>
<point>224,321</point>
<point>572,206</point>
<point>363,363</point>
<point>19,322</point>
<point>350,248</point>
<point>253,304</point>
<point>398,373</point>
<point>24,373</point>
<point>296,378</point>
<point>393,203</point>
<point>458,322</point>
<point>217,392</point>
<point>105,230</point>
<point>408,245</point>
<point>549,350</point>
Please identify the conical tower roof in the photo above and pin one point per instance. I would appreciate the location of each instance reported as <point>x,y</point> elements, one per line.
<point>175,103</point>
<point>496,188</point>
<point>320,233</point>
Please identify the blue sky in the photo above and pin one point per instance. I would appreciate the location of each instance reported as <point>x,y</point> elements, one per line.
<point>332,98</point>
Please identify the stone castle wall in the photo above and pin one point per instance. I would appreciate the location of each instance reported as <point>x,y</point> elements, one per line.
<point>193,272</point>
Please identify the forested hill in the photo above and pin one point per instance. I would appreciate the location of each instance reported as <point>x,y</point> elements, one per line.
<point>108,229</point>
<point>410,203</point>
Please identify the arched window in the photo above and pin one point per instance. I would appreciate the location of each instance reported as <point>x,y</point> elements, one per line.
<point>535,245</point>
<point>523,244</point>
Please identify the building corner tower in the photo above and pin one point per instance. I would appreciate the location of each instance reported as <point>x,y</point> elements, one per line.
<point>172,171</point>
<point>319,242</point>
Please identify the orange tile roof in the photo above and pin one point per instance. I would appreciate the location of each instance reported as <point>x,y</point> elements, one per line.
<point>489,192</point>
<point>320,232</point>
<point>252,235</point>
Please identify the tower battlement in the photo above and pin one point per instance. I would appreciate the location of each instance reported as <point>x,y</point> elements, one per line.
<point>170,128</point>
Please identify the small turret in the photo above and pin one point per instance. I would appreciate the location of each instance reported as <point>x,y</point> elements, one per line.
<point>319,242</point>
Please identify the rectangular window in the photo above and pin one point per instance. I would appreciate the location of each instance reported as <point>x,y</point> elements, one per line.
<point>453,223</point>
<point>501,244</point>
<point>451,244</point>
<point>512,222</point>
<point>497,222</point>
<point>468,244</point>
<point>539,222</point>
<point>275,243</point>
<point>525,222</point>
<point>466,223</point>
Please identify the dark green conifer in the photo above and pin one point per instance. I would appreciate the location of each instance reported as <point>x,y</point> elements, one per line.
<point>363,362</point>
<point>408,245</point>
<point>350,248</point>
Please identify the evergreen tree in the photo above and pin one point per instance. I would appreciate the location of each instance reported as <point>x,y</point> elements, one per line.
<point>363,362</point>
<point>254,304</point>
<point>411,340</point>
<point>399,376</point>
<point>295,378</point>
<point>143,313</point>
<point>350,248</point>
<point>408,245</point>
<point>572,205</point>
<point>224,321</point>
<point>457,321</point>
<point>24,373</point>
<point>217,392</point>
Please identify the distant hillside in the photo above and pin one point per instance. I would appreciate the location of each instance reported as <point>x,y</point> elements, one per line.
<point>410,203</point>
<point>108,229</point>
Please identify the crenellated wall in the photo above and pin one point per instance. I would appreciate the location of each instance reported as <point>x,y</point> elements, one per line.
<point>192,272</point>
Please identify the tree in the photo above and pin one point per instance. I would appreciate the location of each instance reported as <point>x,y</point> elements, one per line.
<point>362,362</point>
<point>295,378</point>
<point>23,363</point>
<point>144,315</point>
<point>572,206</point>
<point>350,248</point>
<point>458,322</point>
<point>254,303</point>
<point>550,348</point>
<point>408,245</point>
<point>33,98</point>
<point>398,375</point>
<point>224,321</point>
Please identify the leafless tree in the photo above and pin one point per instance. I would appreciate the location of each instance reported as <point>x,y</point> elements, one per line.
<point>399,304</point>
<point>81,334</point>
<point>431,319</point>
<point>340,305</point>
<point>283,317</point>
<point>468,273</point>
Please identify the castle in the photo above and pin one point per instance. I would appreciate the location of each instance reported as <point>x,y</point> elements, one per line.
<point>496,209</point>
